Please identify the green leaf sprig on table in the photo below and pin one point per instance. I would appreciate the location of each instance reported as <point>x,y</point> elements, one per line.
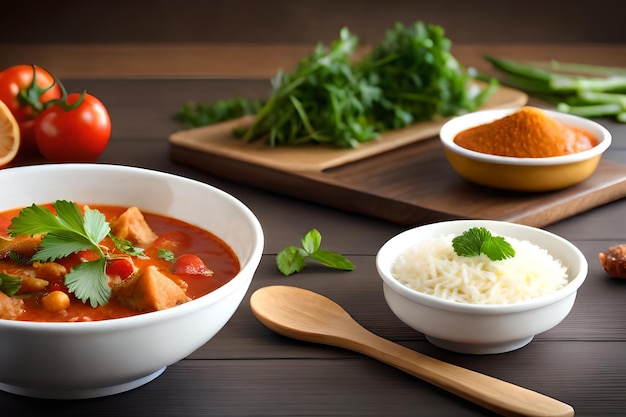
<point>67,231</point>
<point>331,99</point>
<point>579,89</point>
<point>293,259</point>
<point>479,240</point>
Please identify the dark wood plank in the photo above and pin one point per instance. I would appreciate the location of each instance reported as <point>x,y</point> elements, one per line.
<point>410,185</point>
<point>353,386</point>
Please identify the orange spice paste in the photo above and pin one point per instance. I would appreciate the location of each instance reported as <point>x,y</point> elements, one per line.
<point>527,133</point>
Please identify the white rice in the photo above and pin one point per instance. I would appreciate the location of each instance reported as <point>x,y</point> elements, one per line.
<point>434,268</point>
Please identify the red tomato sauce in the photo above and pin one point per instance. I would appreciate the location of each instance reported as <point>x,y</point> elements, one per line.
<point>177,236</point>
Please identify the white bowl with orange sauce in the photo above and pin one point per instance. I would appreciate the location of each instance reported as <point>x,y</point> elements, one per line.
<point>75,360</point>
<point>526,174</point>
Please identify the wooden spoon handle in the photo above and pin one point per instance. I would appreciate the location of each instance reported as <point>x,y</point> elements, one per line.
<point>494,394</point>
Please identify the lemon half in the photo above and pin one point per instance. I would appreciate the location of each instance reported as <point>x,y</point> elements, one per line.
<point>9,135</point>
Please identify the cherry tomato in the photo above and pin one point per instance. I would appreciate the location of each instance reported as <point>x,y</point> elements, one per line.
<point>175,241</point>
<point>189,264</point>
<point>25,99</point>
<point>120,267</point>
<point>77,134</point>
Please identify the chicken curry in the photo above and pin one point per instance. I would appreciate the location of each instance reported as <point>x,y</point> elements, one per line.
<point>65,262</point>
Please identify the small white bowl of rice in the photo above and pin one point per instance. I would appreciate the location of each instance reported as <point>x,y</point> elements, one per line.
<point>473,304</point>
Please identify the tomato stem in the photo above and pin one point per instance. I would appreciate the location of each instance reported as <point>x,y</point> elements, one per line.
<point>31,96</point>
<point>62,102</point>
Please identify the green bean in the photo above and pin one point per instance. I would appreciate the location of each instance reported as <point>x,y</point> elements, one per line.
<point>581,89</point>
<point>518,68</point>
<point>576,68</point>
<point>591,110</point>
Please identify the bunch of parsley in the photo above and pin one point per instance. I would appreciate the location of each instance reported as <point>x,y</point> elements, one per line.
<point>330,99</point>
<point>323,100</point>
<point>419,77</point>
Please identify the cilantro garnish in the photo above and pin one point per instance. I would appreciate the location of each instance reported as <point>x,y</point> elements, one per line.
<point>10,284</point>
<point>68,232</point>
<point>292,259</point>
<point>479,240</point>
<point>127,246</point>
<point>166,255</point>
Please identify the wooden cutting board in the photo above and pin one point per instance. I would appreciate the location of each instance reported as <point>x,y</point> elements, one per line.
<point>403,177</point>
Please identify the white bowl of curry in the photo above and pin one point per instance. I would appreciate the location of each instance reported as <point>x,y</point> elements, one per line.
<point>172,260</point>
<point>524,149</point>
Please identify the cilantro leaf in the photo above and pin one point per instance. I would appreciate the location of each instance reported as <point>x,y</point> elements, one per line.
<point>127,246</point>
<point>33,220</point>
<point>470,242</point>
<point>85,282</point>
<point>292,259</point>
<point>496,248</point>
<point>68,215</point>
<point>10,284</point>
<point>59,244</point>
<point>479,240</point>
<point>66,232</point>
<point>95,225</point>
<point>166,255</point>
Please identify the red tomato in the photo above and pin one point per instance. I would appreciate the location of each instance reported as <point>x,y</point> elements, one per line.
<point>120,267</point>
<point>25,98</point>
<point>190,264</point>
<point>175,241</point>
<point>77,135</point>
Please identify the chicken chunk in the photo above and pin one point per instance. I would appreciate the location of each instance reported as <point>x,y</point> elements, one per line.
<point>132,226</point>
<point>24,246</point>
<point>10,308</point>
<point>51,271</point>
<point>150,290</point>
<point>32,284</point>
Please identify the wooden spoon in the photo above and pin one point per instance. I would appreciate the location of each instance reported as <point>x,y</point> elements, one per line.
<point>305,315</point>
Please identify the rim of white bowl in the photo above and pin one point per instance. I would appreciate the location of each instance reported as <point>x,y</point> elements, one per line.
<point>248,269</point>
<point>455,125</point>
<point>388,253</point>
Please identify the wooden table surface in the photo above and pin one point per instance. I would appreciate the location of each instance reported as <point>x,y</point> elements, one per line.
<point>247,370</point>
